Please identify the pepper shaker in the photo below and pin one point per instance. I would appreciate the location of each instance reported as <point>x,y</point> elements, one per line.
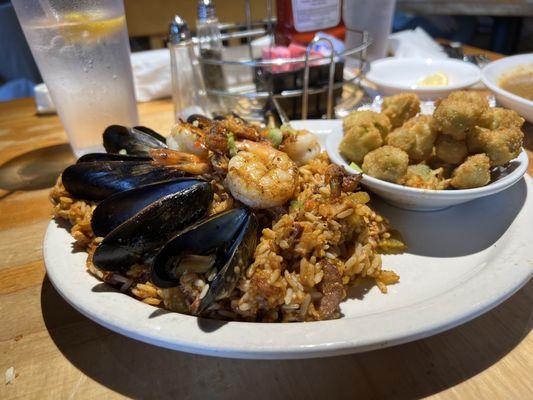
<point>188,87</point>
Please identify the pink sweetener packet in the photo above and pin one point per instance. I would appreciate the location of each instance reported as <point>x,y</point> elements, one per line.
<point>277,52</point>
<point>297,51</point>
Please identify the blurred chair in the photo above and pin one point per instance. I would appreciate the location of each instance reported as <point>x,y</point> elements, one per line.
<point>455,28</point>
<point>18,71</point>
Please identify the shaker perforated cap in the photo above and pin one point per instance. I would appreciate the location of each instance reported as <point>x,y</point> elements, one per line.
<point>206,10</point>
<point>178,30</point>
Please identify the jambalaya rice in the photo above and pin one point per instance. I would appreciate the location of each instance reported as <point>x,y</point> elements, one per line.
<point>305,260</point>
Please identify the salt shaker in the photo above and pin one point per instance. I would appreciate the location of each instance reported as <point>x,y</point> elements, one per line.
<point>210,47</point>
<point>188,88</point>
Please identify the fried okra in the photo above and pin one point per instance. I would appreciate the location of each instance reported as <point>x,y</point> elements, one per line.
<point>459,113</point>
<point>435,162</point>
<point>364,131</point>
<point>461,141</point>
<point>497,117</point>
<point>471,97</point>
<point>416,137</point>
<point>449,150</point>
<point>387,163</point>
<point>422,176</point>
<point>474,172</point>
<point>401,107</point>
<point>500,145</point>
<point>368,118</point>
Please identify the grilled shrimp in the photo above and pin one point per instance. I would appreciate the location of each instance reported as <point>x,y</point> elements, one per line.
<point>239,127</point>
<point>187,138</point>
<point>185,162</point>
<point>301,146</point>
<point>261,176</point>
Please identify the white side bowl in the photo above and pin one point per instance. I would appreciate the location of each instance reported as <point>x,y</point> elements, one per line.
<point>491,74</point>
<point>424,199</point>
<point>395,75</point>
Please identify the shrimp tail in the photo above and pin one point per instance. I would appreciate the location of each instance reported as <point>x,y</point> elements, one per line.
<point>260,149</point>
<point>186,162</point>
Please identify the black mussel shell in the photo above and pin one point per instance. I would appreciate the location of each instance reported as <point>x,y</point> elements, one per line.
<point>201,121</point>
<point>92,157</point>
<point>118,208</point>
<point>135,240</point>
<point>133,141</point>
<point>100,179</point>
<point>226,116</point>
<point>230,238</point>
<point>151,132</point>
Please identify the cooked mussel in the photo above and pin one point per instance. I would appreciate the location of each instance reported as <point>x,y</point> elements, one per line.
<point>119,207</point>
<point>201,121</point>
<point>229,115</point>
<point>133,141</point>
<point>151,132</point>
<point>135,239</point>
<point>100,179</point>
<point>225,242</point>
<point>92,157</point>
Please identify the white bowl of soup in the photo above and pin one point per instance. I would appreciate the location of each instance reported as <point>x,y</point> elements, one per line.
<point>511,81</point>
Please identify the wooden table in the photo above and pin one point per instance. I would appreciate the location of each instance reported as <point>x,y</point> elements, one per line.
<point>58,353</point>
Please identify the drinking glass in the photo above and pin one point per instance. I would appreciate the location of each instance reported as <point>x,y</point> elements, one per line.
<point>82,50</point>
<point>373,16</point>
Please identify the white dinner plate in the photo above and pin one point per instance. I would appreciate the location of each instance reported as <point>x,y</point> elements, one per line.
<point>461,262</point>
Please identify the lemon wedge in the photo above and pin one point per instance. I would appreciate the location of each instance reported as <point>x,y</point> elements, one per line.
<point>438,79</point>
<point>78,27</point>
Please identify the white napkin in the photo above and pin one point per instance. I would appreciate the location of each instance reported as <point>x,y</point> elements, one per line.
<point>151,78</point>
<point>151,74</point>
<point>415,43</point>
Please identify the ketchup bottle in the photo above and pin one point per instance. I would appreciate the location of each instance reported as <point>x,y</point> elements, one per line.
<point>299,20</point>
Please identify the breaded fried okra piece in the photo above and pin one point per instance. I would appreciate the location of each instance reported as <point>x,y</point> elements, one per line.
<point>500,145</point>
<point>364,131</point>
<point>368,118</point>
<point>422,176</point>
<point>474,172</point>
<point>416,137</point>
<point>472,97</point>
<point>459,113</point>
<point>496,117</point>
<point>449,150</point>
<point>401,107</point>
<point>387,163</point>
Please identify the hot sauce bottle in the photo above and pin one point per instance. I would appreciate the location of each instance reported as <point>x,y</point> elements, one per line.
<point>299,20</point>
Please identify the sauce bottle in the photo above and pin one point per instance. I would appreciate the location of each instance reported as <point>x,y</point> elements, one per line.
<point>299,20</point>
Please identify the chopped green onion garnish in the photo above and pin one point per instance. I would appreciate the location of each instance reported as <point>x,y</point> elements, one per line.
<point>231,145</point>
<point>356,167</point>
<point>275,136</point>
<point>295,204</point>
<point>286,128</point>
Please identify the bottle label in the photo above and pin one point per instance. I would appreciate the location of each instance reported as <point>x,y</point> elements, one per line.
<point>314,15</point>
